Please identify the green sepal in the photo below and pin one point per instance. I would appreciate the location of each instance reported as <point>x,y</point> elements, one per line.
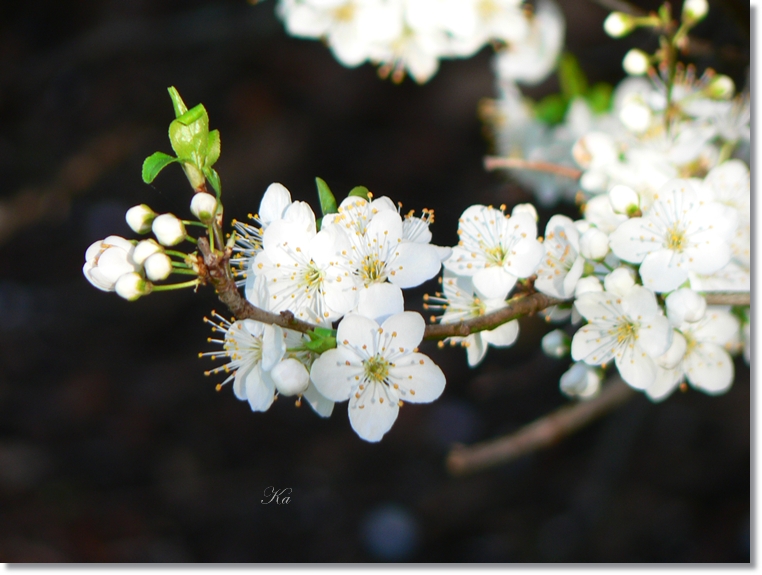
<point>327,199</point>
<point>154,164</point>
<point>571,77</point>
<point>177,102</point>
<point>551,109</point>
<point>360,192</point>
<point>320,344</point>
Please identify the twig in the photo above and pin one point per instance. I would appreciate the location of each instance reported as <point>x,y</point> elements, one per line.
<point>539,434</point>
<point>728,298</point>
<point>517,307</point>
<point>75,176</point>
<point>620,6</point>
<point>495,163</point>
<point>215,269</point>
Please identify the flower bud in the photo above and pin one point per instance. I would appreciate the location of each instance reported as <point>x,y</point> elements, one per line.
<point>675,353</point>
<point>556,343</point>
<point>525,209</point>
<point>694,10</point>
<point>106,260</point>
<point>720,87</point>
<point>685,305</point>
<point>618,24</point>
<point>636,115</point>
<point>587,284</point>
<point>158,267</point>
<point>144,250</point>
<point>168,229</point>
<point>624,200</point>
<point>140,218</point>
<point>131,286</point>
<point>290,377</point>
<point>204,206</point>
<point>594,244</point>
<point>620,281</point>
<point>636,62</point>
<point>581,381</point>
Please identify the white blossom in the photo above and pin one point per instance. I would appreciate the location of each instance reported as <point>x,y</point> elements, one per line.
<point>376,367</point>
<point>562,265</point>
<point>581,381</point>
<point>678,234</point>
<point>629,329</point>
<point>495,249</point>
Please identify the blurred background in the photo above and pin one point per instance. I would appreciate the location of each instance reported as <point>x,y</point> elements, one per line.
<point>113,445</point>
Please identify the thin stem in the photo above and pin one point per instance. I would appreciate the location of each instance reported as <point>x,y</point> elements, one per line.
<point>184,272</point>
<point>193,223</point>
<point>191,239</point>
<point>169,287</point>
<point>495,163</point>
<point>176,254</point>
<point>728,298</point>
<point>541,433</point>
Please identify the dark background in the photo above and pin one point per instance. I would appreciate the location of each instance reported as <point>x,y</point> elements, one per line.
<point>113,445</point>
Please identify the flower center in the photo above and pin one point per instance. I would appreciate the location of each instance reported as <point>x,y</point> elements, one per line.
<point>625,331</point>
<point>496,254</point>
<point>487,8</point>
<point>313,277</point>
<point>373,270</point>
<point>376,369</point>
<point>676,239</point>
<point>345,13</point>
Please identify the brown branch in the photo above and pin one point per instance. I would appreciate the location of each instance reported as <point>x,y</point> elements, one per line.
<point>215,270</point>
<point>496,163</point>
<point>541,433</point>
<point>727,298</point>
<point>517,307</point>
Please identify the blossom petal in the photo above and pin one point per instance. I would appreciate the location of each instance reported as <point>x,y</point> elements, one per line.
<point>663,271</point>
<point>379,301</point>
<point>405,329</point>
<point>334,371</point>
<point>639,303</point>
<point>260,389</point>
<point>636,367</point>
<point>420,380</point>
<point>709,368</point>
<point>592,345</point>
<point>415,263</point>
<point>665,383</point>
<point>318,402</point>
<point>633,240</point>
<point>358,331</point>
<point>503,335</point>
<point>370,418</point>
<point>655,336</point>
<point>476,349</point>
<point>494,282</point>
<point>275,201</point>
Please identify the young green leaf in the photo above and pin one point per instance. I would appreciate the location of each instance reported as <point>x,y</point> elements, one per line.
<point>177,102</point>
<point>321,344</point>
<point>327,200</point>
<point>599,97</point>
<point>551,109</point>
<point>214,179</point>
<point>571,77</point>
<point>189,135</point>
<point>213,148</point>
<point>360,191</point>
<point>154,164</point>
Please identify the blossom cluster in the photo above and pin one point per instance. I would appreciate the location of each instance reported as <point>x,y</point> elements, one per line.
<point>411,36</point>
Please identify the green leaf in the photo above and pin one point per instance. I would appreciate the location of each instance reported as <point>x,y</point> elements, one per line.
<point>327,200</point>
<point>213,148</point>
<point>599,97</point>
<point>321,332</point>
<point>214,179</point>
<point>571,77</point>
<point>189,135</point>
<point>360,191</point>
<point>177,102</point>
<point>551,109</point>
<point>154,164</point>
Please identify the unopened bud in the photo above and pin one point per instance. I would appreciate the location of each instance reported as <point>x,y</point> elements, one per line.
<point>168,229</point>
<point>636,62</point>
<point>525,209</point>
<point>721,87</point>
<point>144,250</point>
<point>587,284</point>
<point>618,24</point>
<point>581,381</point>
<point>694,10</point>
<point>620,281</point>
<point>290,377</point>
<point>131,286</point>
<point>624,200</point>
<point>139,218</point>
<point>685,305</point>
<point>158,267</point>
<point>594,244</point>
<point>556,343</point>
<point>636,115</point>
<point>204,207</point>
